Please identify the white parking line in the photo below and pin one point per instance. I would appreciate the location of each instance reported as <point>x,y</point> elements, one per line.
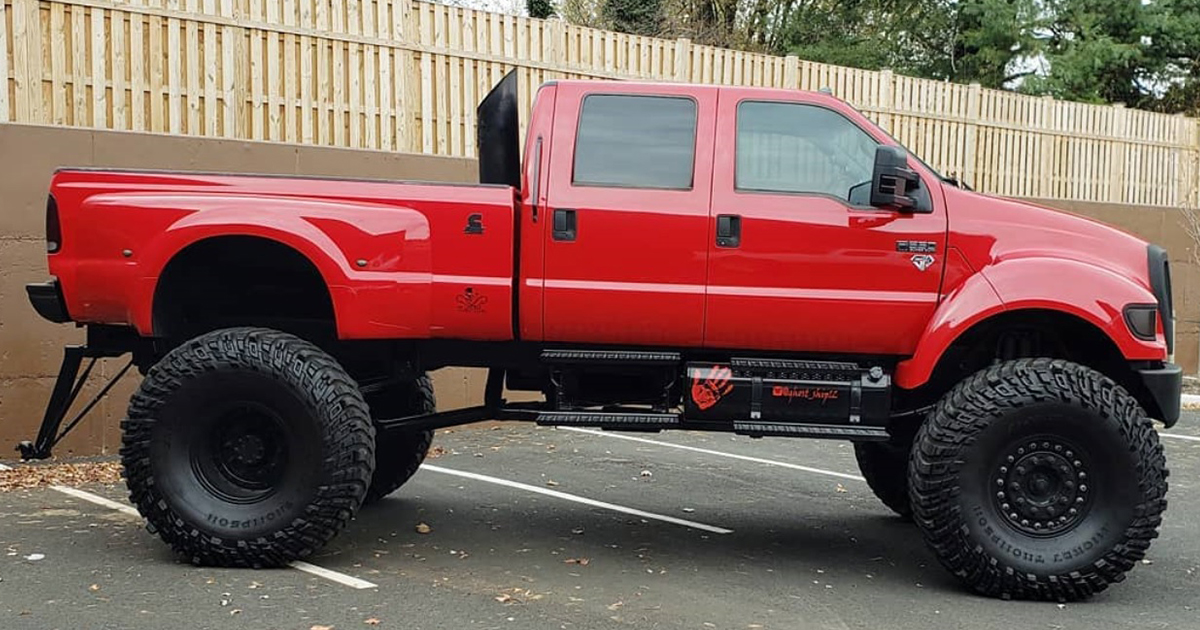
<point>3,467</point>
<point>328,574</point>
<point>340,578</point>
<point>98,500</point>
<point>694,449</point>
<point>578,499</point>
<point>1179,437</point>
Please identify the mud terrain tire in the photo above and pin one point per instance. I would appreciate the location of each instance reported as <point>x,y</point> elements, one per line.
<point>885,467</point>
<point>247,447</point>
<point>1038,479</point>
<point>399,455</point>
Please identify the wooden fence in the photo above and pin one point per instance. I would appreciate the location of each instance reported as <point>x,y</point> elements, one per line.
<point>406,75</point>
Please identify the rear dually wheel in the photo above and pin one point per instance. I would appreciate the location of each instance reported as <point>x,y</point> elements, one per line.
<point>247,447</point>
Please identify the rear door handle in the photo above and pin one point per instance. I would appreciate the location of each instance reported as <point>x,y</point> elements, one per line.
<point>564,224</point>
<point>729,230</point>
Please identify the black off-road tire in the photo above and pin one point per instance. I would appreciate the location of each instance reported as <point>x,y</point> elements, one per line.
<point>399,455</point>
<point>1000,436</point>
<point>885,467</point>
<point>247,447</point>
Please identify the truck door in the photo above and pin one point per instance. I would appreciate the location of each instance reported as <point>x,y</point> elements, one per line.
<point>798,260</point>
<point>627,206</point>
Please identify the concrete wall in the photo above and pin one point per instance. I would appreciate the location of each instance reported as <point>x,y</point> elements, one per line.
<point>30,348</point>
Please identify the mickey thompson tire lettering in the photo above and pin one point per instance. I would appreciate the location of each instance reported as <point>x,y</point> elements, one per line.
<point>247,447</point>
<point>1005,434</point>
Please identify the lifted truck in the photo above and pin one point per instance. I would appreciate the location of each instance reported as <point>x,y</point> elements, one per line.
<point>754,261</point>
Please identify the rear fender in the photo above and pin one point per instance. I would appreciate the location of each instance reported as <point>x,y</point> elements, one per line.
<point>1091,293</point>
<point>374,259</point>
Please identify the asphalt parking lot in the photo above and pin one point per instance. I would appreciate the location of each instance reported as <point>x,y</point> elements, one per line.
<point>541,528</point>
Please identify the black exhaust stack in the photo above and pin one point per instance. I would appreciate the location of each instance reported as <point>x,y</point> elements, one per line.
<point>498,134</point>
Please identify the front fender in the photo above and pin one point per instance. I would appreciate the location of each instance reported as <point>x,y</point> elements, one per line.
<point>1091,293</point>
<point>375,260</point>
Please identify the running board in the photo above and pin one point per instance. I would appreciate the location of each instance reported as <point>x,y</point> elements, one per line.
<point>832,432</point>
<point>606,420</point>
<point>622,357</point>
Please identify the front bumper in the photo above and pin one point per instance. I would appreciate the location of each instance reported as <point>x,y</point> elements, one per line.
<point>1165,385</point>
<point>47,300</point>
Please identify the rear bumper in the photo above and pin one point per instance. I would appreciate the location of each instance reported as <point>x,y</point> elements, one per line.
<point>47,300</point>
<point>1165,385</point>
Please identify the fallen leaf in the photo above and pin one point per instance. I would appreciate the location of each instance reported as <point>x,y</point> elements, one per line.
<point>321,628</point>
<point>372,622</point>
<point>34,557</point>
<point>551,483</point>
<point>253,585</point>
<point>93,588</point>
<point>616,605</point>
<point>505,598</point>
<point>577,531</point>
<point>235,611</point>
<point>689,510</point>
<point>40,475</point>
<point>1147,561</point>
<point>840,488</point>
<point>647,473</point>
<point>579,561</point>
<point>422,528</point>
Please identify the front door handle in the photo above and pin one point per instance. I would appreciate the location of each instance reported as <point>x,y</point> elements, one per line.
<point>729,230</point>
<point>564,224</point>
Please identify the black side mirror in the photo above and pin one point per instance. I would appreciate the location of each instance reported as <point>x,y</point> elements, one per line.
<point>892,181</point>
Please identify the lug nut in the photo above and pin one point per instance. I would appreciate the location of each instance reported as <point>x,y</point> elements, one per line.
<point>1032,445</point>
<point>1011,459</point>
<point>1021,451</point>
<point>1003,469</point>
<point>1020,500</point>
<point>1014,516</point>
<point>1058,448</point>
<point>999,482</point>
<point>1070,455</point>
<point>1006,507</point>
<point>1045,445</point>
<point>1025,522</point>
<point>1072,511</point>
<point>1082,488</point>
<point>1078,499</point>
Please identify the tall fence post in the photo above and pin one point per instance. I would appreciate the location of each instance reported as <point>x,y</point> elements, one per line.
<point>4,37</point>
<point>27,60</point>
<point>884,100</point>
<point>974,170</point>
<point>404,30</point>
<point>1118,155</point>
<point>1046,141</point>
<point>683,60</point>
<point>791,72</point>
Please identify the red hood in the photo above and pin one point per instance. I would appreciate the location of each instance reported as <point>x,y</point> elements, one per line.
<point>989,230</point>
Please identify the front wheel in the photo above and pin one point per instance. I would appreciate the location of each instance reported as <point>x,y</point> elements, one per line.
<point>1038,479</point>
<point>247,447</point>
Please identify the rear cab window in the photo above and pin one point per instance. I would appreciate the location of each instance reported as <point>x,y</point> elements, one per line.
<point>633,141</point>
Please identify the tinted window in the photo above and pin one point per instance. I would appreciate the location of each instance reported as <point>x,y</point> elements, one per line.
<point>636,141</point>
<point>794,148</point>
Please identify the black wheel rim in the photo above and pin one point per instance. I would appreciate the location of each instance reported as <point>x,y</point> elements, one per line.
<point>243,455</point>
<point>1043,486</point>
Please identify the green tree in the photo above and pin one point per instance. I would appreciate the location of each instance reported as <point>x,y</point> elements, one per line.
<point>540,9</point>
<point>638,17</point>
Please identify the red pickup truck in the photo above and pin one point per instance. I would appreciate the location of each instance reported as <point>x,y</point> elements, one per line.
<point>755,261</point>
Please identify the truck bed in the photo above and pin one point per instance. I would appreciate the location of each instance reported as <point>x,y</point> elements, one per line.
<point>372,242</point>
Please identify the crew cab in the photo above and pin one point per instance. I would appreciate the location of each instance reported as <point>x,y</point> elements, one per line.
<point>757,261</point>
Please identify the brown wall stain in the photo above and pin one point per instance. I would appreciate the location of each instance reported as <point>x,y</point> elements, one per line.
<point>30,348</point>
